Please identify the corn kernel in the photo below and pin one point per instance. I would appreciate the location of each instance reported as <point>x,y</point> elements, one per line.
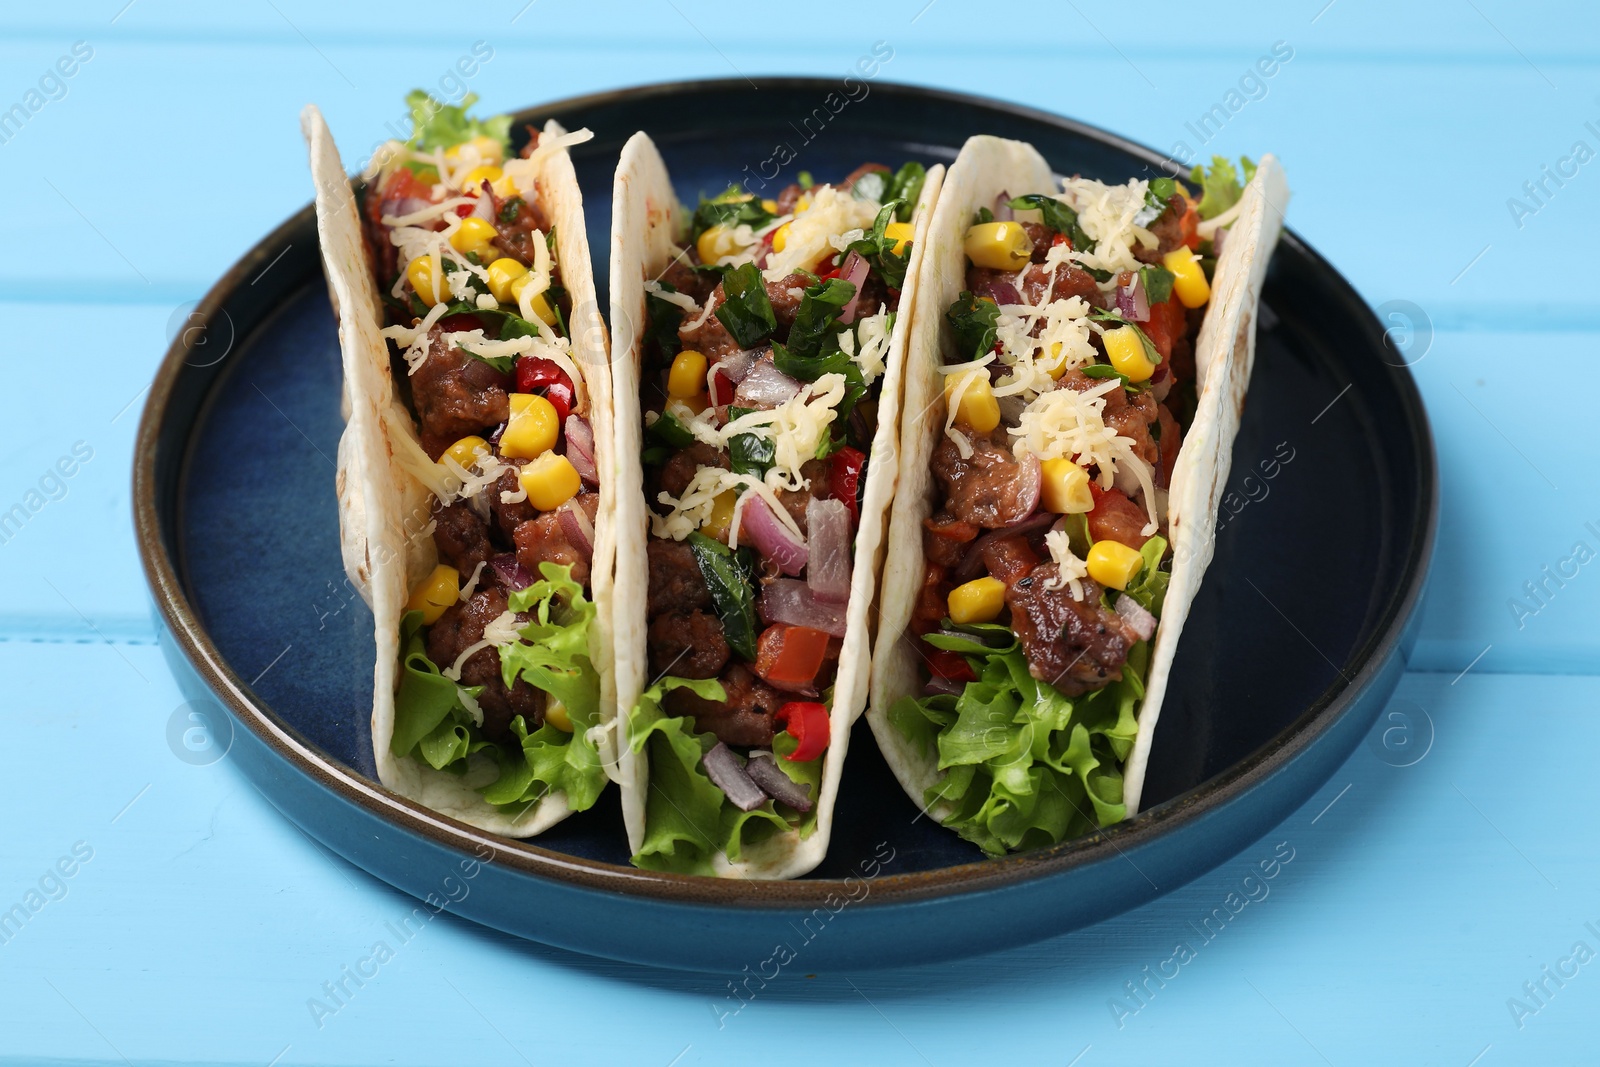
<point>780,237</point>
<point>1113,564</point>
<point>1065,489</point>
<point>472,181</point>
<point>502,273</point>
<point>1126,352</point>
<point>488,149</point>
<point>977,409</point>
<point>1054,363</point>
<point>899,233</point>
<point>769,206</point>
<point>1189,280</point>
<point>550,481</point>
<point>504,187</point>
<point>715,243</point>
<point>541,306</point>
<point>532,429</point>
<point>555,714</point>
<point>998,245</point>
<point>435,593</point>
<point>419,272</point>
<point>473,236</point>
<point>803,204</point>
<point>687,377</point>
<point>979,600</point>
<point>466,451</point>
<point>720,520</point>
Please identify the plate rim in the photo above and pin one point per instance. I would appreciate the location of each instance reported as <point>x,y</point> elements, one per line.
<point>526,856</point>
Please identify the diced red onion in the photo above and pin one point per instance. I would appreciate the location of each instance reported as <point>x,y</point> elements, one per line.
<point>723,768</point>
<point>1134,614</point>
<point>404,206</point>
<point>769,777</point>
<point>484,208</point>
<point>854,271</point>
<point>1217,239</point>
<point>770,536</point>
<point>765,386</point>
<point>1132,302</point>
<point>512,574</point>
<point>1001,292</point>
<point>580,448</point>
<point>937,685</point>
<point>792,601</point>
<point>736,366</point>
<point>1030,482</point>
<point>724,380</point>
<point>577,528</point>
<point>1002,207</point>
<point>971,565</point>
<point>828,561</point>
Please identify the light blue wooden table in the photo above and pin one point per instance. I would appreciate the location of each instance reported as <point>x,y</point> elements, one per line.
<point>1445,912</point>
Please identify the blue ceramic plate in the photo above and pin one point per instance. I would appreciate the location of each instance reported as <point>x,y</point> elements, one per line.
<point>1298,637</point>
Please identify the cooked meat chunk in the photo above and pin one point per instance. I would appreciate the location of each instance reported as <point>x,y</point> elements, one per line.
<point>989,488</point>
<point>1042,237</point>
<point>788,198</point>
<point>456,394</point>
<point>795,502</point>
<point>676,581</point>
<point>687,644</point>
<point>1168,229</point>
<point>709,337</point>
<point>685,279</point>
<point>1117,518</point>
<point>508,515</point>
<point>859,173</point>
<point>1074,645</point>
<point>543,540</point>
<point>462,538</point>
<point>460,627</point>
<point>1010,559</point>
<point>945,538</point>
<point>997,285</point>
<point>1065,281</point>
<point>678,471</point>
<point>1130,415</point>
<point>1170,440</point>
<point>744,718</point>
<point>784,295</point>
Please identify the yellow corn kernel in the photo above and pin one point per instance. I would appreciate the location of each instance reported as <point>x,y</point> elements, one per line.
<point>550,480</point>
<point>1053,364</point>
<point>899,233</point>
<point>998,245</point>
<point>720,520</point>
<point>780,237</point>
<point>419,272</point>
<point>555,714</point>
<point>979,600</point>
<point>532,429</point>
<point>1113,564</point>
<point>488,149</point>
<point>541,306</point>
<point>472,181</point>
<point>977,409</point>
<point>1189,278</point>
<point>466,451</point>
<point>803,204</point>
<point>504,187</point>
<point>769,206</point>
<point>715,243</point>
<point>473,236</point>
<point>435,593</point>
<point>1126,352</point>
<point>502,273</point>
<point>1065,489</point>
<point>687,377</point>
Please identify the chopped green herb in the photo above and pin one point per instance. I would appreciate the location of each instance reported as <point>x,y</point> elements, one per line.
<point>974,325</point>
<point>1058,216</point>
<point>746,311</point>
<point>906,187</point>
<point>733,208</point>
<point>731,594</point>
<point>1157,283</point>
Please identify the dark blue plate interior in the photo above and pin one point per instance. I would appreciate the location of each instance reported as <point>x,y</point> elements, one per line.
<point>1323,538</point>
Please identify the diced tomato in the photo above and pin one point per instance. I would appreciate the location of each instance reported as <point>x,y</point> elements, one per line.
<point>932,600</point>
<point>1116,518</point>
<point>1167,324</point>
<point>807,722</point>
<point>948,664</point>
<point>460,323</point>
<point>403,184</point>
<point>844,478</point>
<point>1190,223</point>
<point>723,390</point>
<point>789,657</point>
<point>537,375</point>
<point>1061,239</point>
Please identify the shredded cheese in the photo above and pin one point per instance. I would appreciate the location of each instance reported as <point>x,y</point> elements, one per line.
<point>811,232</point>
<point>500,632</point>
<point>1065,423</point>
<point>472,583</point>
<point>869,355</point>
<point>1036,362</point>
<point>1073,570</point>
<point>796,427</point>
<point>1109,214</point>
<point>683,300</point>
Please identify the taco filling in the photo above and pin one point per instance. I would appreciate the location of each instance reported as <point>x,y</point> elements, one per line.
<point>761,370</point>
<point>1068,388</point>
<point>497,681</point>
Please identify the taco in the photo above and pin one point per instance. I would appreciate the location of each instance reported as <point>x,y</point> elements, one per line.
<point>1074,381</point>
<point>474,516</point>
<point>757,377</point>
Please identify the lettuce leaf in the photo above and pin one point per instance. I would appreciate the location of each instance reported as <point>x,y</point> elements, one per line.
<point>435,124</point>
<point>1220,185</point>
<point>688,819</point>
<point>433,723</point>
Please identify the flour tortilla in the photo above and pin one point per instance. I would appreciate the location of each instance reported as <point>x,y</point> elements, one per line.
<point>1224,352</point>
<point>385,510</point>
<point>644,222</point>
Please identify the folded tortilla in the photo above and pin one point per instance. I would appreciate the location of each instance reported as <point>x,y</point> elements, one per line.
<point>1224,352</point>
<point>385,504</point>
<point>646,233</point>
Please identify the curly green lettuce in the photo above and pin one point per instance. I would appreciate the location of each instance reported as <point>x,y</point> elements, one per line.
<point>1024,765</point>
<point>432,721</point>
<point>436,124</point>
<point>688,819</point>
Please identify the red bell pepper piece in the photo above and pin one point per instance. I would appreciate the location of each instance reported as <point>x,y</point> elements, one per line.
<point>844,479</point>
<point>951,665</point>
<point>536,375</point>
<point>789,657</point>
<point>1166,324</point>
<point>460,323</point>
<point>807,722</point>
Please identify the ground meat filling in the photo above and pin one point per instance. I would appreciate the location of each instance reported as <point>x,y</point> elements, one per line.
<point>989,488</point>
<point>687,644</point>
<point>460,627</point>
<point>1074,645</point>
<point>676,583</point>
<point>709,337</point>
<point>745,718</point>
<point>461,537</point>
<point>456,394</point>
<point>542,540</point>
